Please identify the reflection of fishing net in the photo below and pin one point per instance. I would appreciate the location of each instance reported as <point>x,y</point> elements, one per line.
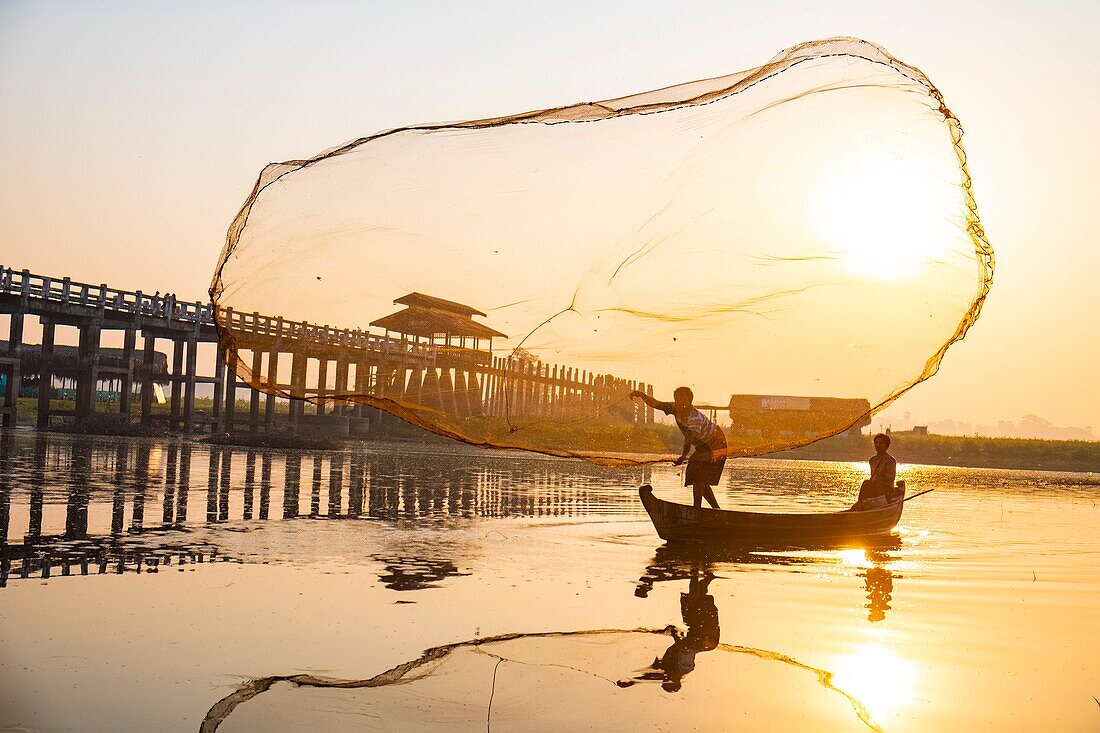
<point>551,682</point>
<point>801,236</point>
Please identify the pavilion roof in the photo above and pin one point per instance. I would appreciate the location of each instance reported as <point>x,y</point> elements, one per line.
<point>430,301</point>
<point>426,316</point>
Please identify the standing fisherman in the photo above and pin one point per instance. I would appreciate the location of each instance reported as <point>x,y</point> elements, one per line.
<point>704,468</point>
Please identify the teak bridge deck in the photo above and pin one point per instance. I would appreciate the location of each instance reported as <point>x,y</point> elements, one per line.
<point>463,382</point>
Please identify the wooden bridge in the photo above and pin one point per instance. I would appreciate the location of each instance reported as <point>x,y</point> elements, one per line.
<point>461,381</point>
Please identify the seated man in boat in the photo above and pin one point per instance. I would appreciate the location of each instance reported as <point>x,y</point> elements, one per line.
<point>705,465</point>
<point>884,470</point>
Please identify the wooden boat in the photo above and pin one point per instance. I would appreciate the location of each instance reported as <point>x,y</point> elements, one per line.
<point>681,523</point>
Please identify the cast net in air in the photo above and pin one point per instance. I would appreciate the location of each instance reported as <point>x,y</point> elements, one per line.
<point>797,243</point>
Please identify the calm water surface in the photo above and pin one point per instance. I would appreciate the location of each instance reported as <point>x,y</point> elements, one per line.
<point>147,585</point>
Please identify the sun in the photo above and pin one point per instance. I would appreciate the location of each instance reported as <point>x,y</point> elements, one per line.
<point>886,217</point>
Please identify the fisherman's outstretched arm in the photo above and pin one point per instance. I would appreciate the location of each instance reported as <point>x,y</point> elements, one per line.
<point>666,407</point>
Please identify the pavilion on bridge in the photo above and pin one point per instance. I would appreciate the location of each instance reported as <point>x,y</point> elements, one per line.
<point>441,323</point>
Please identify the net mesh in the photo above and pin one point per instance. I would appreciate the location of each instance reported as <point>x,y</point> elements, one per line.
<point>634,680</point>
<point>797,243</point>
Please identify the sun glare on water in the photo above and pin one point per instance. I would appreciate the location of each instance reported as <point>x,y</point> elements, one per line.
<point>883,217</point>
<point>878,678</point>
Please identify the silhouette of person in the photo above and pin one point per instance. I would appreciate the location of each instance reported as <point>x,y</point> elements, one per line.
<point>705,465</point>
<point>883,472</point>
<point>700,615</point>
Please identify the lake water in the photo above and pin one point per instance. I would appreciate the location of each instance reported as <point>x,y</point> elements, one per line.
<point>168,586</point>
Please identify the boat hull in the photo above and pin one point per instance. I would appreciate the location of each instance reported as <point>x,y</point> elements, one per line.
<point>681,523</point>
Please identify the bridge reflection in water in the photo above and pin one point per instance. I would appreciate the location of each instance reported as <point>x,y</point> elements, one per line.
<point>79,505</point>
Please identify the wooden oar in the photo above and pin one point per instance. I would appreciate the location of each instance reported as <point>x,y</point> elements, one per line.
<point>914,496</point>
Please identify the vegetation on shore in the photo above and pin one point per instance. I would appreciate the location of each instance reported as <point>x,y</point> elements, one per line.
<point>957,450</point>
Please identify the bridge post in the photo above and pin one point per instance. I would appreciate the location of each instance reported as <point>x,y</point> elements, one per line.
<point>461,394</point>
<point>148,356</point>
<point>273,379</point>
<point>342,377</point>
<point>88,375</point>
<point>125,396</point>
<point>254,394</point>
<point>219,388</point>
<point>415,386</point>
<point>230,390</point>
<point>13,361</point>
<point>297,387</point>
<point>45,374</point>
<point>189,385</point>
<point>177,383</point>
<point>362,384</point>
<point>322,383</point>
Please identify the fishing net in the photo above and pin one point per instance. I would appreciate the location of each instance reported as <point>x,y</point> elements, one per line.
<point>642,680</point>
<point>797,243</point>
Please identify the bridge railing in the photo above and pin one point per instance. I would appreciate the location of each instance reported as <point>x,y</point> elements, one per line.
<point>65,291</point>
<point>277,327</point>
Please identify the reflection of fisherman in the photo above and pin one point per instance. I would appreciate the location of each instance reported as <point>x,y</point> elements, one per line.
<point>879,583</point>
<point>704,468</point>
<point>883,472</point>
<point>701,617</point>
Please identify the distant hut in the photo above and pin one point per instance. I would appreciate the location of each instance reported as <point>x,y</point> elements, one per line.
<point>448,325</point>
<point>66,364</point>
<point>773,416</point>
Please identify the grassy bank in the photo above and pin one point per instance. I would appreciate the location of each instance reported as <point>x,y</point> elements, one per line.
<point>951,450</point>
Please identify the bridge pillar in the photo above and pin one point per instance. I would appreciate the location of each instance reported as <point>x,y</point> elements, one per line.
<point>219,389</point>
<point>461,394</point>
<point>88,375</point>
<point>254,394</point>
<point>148,356</point>
<point>362,385</point>
<point>190,376</point>
<point>322,384</point>
<point>342,380</point>
<point>230,390</point>
<point>431,395</point>
<point>125,396</point>
<point>297,387</point>
<point>477,408</point>
<point>414,387</point>
<point>45,374</point>
<point>176,398</point>
<point>447,390</point>
<point>12,362</point>
<point>273,380</point>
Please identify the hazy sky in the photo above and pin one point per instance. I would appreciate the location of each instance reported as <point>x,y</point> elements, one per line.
<point>132,132</point>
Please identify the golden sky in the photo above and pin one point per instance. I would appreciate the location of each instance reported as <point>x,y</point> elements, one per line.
<point>133,132</point>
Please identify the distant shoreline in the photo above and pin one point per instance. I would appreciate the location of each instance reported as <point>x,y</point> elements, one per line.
<point>961,451</point>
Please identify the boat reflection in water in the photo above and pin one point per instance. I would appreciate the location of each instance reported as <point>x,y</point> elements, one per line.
<point>873,672</point>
